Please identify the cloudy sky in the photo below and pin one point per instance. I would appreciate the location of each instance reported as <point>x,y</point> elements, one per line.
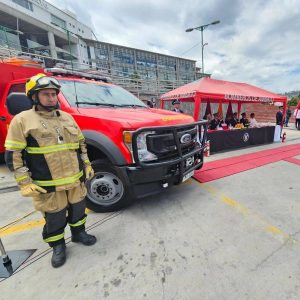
<point>257,41</point>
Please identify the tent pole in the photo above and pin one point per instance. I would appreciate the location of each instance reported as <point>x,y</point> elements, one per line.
<point>197,107</point>
<point>239,111</point>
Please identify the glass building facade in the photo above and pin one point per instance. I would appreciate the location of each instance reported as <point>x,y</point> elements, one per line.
<point>124,61</point>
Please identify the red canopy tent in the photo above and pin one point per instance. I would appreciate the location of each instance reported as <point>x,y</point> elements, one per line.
<point>221,91</point>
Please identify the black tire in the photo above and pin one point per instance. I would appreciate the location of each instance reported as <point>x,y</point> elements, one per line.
<point>106,191</point>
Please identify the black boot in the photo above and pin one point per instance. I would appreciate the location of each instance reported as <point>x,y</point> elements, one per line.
<point>84,238</point>
<point>59,255</point>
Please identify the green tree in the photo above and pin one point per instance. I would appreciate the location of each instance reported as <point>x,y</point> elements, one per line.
<point>293,101</point>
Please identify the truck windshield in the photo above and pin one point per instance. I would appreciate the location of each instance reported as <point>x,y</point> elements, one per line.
<point>87,94</point>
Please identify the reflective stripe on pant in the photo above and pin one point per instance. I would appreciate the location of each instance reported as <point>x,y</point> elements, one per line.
<point>53,232</point>
<point>77,217</point>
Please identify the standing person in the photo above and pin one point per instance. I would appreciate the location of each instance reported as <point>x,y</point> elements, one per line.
<point>279,116</point>
<point>47,153</point>
<point>297,117</point>
<point>153,102</point>
<point>176,103</point>
<point>149,103</point>
<point>287,116</point>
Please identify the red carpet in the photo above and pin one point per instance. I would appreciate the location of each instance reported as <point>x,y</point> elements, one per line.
<point>293,160</point>
<point>229,166</point>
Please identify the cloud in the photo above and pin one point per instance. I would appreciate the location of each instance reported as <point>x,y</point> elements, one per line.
<point>256,42</point>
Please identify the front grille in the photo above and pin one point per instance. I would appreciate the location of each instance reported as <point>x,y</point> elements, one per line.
<point>165,145</point>
<point>172,142</point>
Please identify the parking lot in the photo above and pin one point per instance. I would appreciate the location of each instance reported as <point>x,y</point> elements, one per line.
<point>233,238</point>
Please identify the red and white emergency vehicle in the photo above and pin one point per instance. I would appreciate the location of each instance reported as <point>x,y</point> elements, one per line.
<point>135,151</point>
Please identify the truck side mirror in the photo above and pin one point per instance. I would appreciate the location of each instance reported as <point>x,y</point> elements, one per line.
<point>18,102</point>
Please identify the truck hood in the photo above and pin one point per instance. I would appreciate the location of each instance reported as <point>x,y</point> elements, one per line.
<point>137,117</point>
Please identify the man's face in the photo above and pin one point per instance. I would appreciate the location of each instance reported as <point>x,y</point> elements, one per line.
<point>47,97</point>
<point>177,105</point>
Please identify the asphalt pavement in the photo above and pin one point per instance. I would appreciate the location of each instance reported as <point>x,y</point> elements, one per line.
<point>233,238</point>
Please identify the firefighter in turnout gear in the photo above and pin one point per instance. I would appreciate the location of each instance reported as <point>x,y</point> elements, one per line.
<point>47,153</point>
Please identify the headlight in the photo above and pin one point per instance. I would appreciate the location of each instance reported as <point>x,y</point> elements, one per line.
<point>143,153</point>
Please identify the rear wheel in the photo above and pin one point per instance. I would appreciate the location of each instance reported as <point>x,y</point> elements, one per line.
<point>107,190</point>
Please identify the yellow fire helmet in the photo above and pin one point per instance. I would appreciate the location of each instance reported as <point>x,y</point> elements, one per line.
<point>41,82</point>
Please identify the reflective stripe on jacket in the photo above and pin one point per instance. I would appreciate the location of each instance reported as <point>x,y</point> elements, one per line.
<point>52,147</point>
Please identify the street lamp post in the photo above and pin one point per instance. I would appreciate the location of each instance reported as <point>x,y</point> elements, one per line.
<point>201,28</point>
<point>203,56</point>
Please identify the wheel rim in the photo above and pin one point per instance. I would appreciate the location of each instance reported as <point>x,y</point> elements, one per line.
<point>105,189</point>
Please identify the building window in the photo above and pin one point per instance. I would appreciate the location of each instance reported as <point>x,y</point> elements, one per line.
<point>122,55</point>
<point>88,52</point>
<point>57,21</point>
<point>25,3</point>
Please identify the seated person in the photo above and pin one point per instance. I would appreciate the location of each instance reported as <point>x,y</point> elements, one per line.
<point>228,119</point>
<point>234,120</point>
<point>207,117</point>
<point>244,120</point>
<point>253,122</point>
<point>231,120</point>
<point>215,122</point>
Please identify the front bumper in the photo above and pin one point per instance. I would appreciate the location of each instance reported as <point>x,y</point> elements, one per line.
<point>148,178</point>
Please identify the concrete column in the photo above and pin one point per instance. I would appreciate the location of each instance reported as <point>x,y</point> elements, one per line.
<point>52,44</point>
<point>93,56</point>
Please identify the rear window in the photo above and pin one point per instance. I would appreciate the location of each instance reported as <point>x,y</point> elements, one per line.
<point>17,88</point>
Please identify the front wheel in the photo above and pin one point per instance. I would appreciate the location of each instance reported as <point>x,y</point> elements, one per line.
<point>106,191</point>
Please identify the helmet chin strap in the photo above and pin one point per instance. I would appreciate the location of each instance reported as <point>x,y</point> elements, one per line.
<point>48,108</point>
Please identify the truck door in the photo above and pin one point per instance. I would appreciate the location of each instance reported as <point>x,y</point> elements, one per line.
<point>5,117</point>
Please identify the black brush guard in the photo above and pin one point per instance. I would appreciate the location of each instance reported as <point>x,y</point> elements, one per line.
<point>172,151</point>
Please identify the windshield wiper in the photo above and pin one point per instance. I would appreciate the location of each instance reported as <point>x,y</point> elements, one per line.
<point>131,105</point>
<point>96,103</point>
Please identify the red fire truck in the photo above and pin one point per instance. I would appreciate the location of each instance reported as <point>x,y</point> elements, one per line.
<point>135,151</point>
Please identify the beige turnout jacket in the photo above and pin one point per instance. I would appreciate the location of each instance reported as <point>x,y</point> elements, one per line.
<point>46,148</point>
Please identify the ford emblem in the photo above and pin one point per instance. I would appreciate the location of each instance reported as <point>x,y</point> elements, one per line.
<point>246,137</point>
<point>186,138</point>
